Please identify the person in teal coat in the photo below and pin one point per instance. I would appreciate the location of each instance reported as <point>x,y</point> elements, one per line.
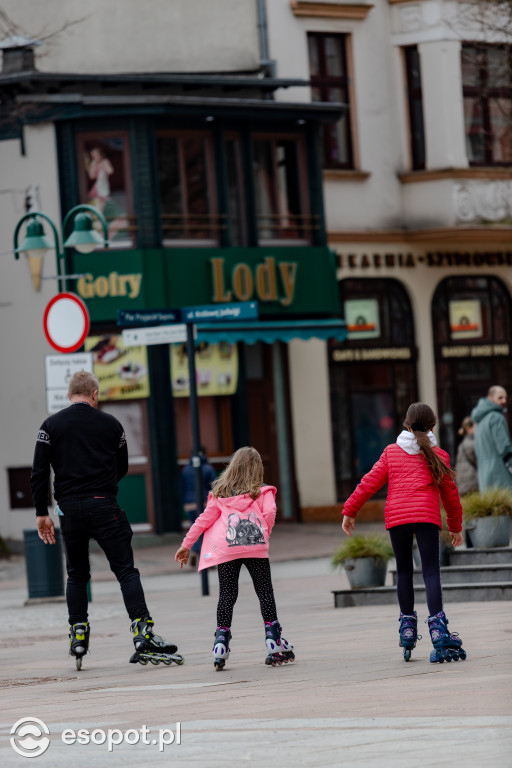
<point>493,445</point>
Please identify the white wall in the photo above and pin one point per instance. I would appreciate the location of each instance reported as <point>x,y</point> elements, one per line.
<point>141,36</point>
<point>311,415</point>
<point>22,340</point>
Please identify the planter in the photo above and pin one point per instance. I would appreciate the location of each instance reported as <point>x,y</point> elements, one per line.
<point>489,531</point>
<point>366,572</point>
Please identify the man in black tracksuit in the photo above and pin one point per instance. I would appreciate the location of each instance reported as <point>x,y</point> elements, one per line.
<point>88,453</point>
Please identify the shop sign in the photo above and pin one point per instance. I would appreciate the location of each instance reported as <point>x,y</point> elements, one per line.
<point>362,318</point>
<point>372,355</point>
<point>429,259</point>
<point>478,350</point>
<point>285,281</point>
<point>465,319</point>
<point>122,371</point>
<point>216,369</point>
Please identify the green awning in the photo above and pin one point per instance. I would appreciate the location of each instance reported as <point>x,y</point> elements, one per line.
<point>269,331</point>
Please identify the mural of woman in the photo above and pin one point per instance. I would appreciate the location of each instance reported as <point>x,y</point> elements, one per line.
<point>99,168</point>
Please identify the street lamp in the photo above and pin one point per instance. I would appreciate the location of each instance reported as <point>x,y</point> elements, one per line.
<point>83,238</point>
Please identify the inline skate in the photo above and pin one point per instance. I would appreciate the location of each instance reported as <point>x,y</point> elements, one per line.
<point>408,633</point>
<point>279,650</point>
<point>221,647</point>
<point>150,647</point>
<point>79,641</point>
<point>447,645</point>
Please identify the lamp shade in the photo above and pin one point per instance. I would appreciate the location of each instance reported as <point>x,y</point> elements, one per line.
<point>36,243</point>
<point>84,237</point>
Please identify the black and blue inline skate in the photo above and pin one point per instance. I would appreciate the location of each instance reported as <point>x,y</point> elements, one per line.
<point>221,647</point>
<point>150,647</point>
<point>79,641</point>
<point>279,650</point>
<point>408,633</point>
<point>447,645</point>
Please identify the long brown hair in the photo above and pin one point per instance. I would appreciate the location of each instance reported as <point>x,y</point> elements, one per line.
<point>244,474</point>
<point>420,418</point>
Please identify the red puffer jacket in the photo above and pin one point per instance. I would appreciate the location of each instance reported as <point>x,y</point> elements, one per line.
<point>413,497</point>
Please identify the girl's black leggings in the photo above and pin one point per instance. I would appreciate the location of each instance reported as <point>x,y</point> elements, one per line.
<point>259,569</point>
<point>427,536</point>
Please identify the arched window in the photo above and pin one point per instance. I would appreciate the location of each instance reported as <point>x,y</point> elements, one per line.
<point>471,320</point>
<point>372,375</point>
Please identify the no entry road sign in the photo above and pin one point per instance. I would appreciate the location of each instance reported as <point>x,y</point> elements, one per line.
<point>66,322</point>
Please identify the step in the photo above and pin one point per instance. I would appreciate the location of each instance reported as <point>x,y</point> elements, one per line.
<point>481,556</point>
<point>460,593</point>
<point>468,574</point>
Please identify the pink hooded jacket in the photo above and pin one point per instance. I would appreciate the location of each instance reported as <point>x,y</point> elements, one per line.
<point>235,527</point>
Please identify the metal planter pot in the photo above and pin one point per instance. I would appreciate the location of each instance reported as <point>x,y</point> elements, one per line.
<point>489,531</point>
<point>366,572</point>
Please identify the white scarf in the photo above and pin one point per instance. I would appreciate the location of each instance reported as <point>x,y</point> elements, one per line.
<point>408,443</point>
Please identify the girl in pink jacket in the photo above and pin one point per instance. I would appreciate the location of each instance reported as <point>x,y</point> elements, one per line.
<point>237,522</point>
<point>417,473</point>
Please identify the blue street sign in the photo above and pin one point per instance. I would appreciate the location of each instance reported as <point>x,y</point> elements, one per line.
<point>139,317</point>
<point>243,310</point>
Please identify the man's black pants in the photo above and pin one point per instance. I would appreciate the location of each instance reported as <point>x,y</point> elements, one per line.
<point>103,520</point>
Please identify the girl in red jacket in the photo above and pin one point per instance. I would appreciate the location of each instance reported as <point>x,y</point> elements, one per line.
<point>417,473</point>
<point>237,522</point>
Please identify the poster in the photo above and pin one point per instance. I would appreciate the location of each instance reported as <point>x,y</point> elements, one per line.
<point>216,369</point>
<point>362,319</point>
<point>122,371</point>
<point>465,319</point>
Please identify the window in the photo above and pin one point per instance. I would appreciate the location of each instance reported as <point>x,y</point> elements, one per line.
<point>415,104</point>
<point>187,191</point>
<point>235,190</point>
<point>472,327</point>
<point>105,182</point>
<point>370,391</point>
<point>487,91</point>
<point>330,82</point>
<point>280,184</point>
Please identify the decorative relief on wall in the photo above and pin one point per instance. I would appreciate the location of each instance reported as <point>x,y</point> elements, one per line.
<point>483,201</point>
<point>453,20</point>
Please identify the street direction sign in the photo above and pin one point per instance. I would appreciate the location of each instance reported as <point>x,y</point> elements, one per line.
<point>139,317</point>
<point>160,334</point>
<point>66,322</point>
<point>209,313</point>
<point>59,369</point>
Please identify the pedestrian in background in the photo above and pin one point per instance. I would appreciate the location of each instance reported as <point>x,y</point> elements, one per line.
<point>88,453</point>
<point>418,474</point>
<point>493,445</point>
<point>237,523</point>
<point>188,494</point>
<point>465,463</point>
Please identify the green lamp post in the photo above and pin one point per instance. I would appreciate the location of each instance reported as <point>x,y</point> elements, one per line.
<point>84,238</point>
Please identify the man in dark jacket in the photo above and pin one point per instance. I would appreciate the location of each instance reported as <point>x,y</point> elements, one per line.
<point>493,445</point>
<point>188,494</point>
<point>88,453</point>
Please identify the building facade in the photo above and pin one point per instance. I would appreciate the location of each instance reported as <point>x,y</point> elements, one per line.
<point>214,141</point>
<point>418,199</point>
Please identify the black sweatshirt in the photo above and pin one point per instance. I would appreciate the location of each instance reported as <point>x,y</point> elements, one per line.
<point>87,450</point>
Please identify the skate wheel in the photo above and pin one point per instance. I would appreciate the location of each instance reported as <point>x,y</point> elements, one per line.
<point>462,655</point>
<point>78,663</point>
<point>155,662</point>
<point>144,662</point>
<point>168,662</point>
<point>219,665</point>
<point>407,654</point>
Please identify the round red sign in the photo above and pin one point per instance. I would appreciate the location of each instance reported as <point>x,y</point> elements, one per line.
<point>66,322</point>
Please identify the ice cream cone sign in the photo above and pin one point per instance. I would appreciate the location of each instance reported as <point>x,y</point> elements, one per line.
<point>35,264</point>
